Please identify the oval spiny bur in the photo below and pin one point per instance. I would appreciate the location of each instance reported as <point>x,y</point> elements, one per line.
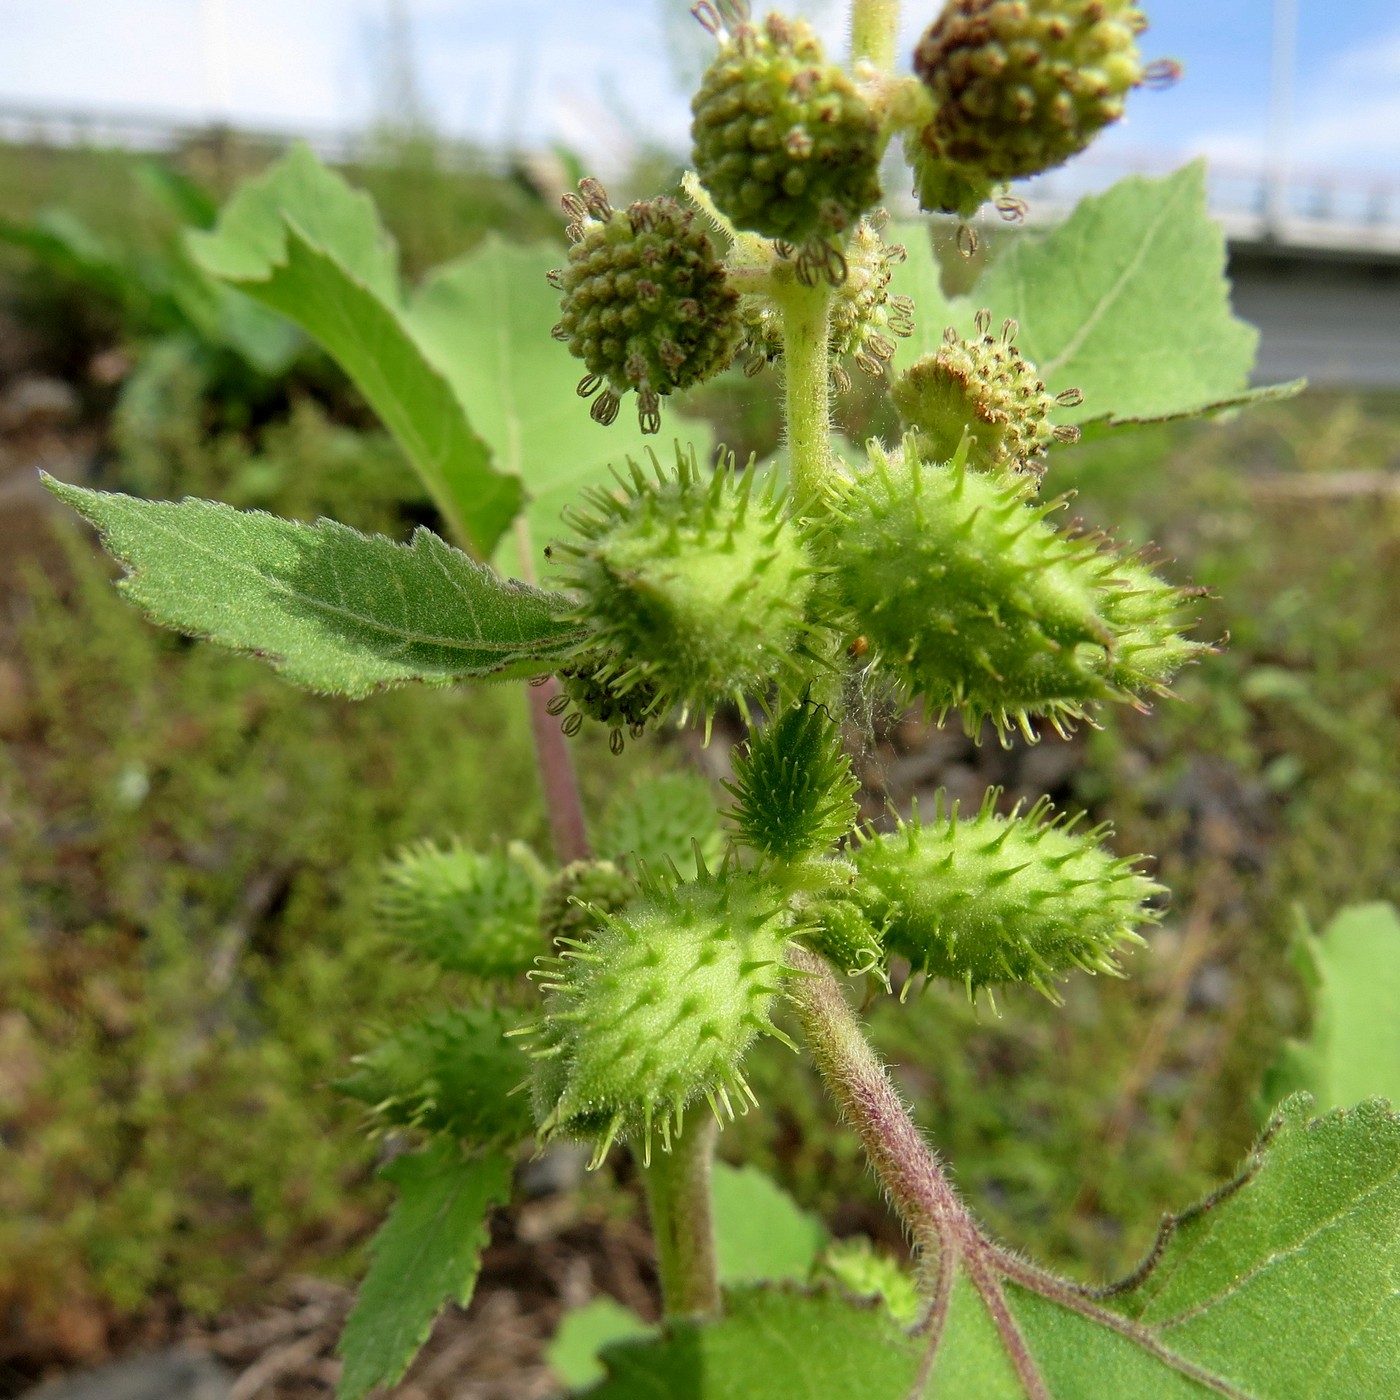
<point>646,305</point>
<point>473,913</point>
<point>865,319</point>
<point>1019,86</point>
<point>697,584</point>
<point>991,899</point>
<point>456,1072</point>
<point>657,1009</point>
<point>966,596</point>
<point>982,388</point>
<point>784,143</point>
<point>794,785</point>
<point>581,896</point>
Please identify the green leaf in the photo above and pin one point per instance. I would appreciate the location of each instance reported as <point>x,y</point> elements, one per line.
<point>573,1352</point>
<point>485,319</point>
<point>1128,301</point>
<point>772,1345</point>
<point>426,1254</point>
<point>1285,1285</point>
<point>331,609</point>
<point>455,1073</point>
<point>761,1233</point>
<point>1353,1049</point>
<point>299,240</point>
<point>249,241</point>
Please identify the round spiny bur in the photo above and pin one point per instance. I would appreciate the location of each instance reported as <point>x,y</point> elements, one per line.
<point>473,913</point>
<point>784,143</point>
<point>992,899</point>
<point>581,896</point>
<point>646,305</point>
<point>864,316</point>
<point>1019,86</point>
<point>794,786</point>
<point>658,1008</point>
<point>984,388</point>
<point>699,585</point>
<point>589,689</point>
<point>966,596</point>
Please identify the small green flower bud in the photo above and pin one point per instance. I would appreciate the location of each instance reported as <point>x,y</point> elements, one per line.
<point>646,305</point>
<point>588,689</point>
<point>658,1008</point>
<point>473,913</point>
<point>784,143</point>
<point>698,586</point>
<point>794,786</point>
<point>1018,88</point>
<point>581,896</point>
<point>992,900</point>
<point>985,389</point>
<point>865,319</point>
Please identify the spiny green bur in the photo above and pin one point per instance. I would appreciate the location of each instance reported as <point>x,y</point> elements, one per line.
<point>973,602</point>
<point>473,913</point>
<point>993,899</point>
<point>645,302</point>
<point>697,585</point>
<point>783,141</point>
<point>456,1073</point>
<point>1018,88</point>
<point>794,785</point>
<point>658,1008</point>
<point>983,389</point>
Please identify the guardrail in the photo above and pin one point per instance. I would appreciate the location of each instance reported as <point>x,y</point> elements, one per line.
<point>1318,211</point>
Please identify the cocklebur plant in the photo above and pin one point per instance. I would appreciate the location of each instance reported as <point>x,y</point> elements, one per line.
<point>932,570</point>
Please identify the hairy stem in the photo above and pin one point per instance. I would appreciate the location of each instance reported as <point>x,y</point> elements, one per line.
<point>806,313</point>
<point>907,1169</point>
<point>874,31</point>
<point>678,1195</point>
<point>562,800</point>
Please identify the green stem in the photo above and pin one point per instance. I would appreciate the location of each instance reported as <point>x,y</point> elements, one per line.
<point>874,32</point>
<point>806,314</point>
<point>678,1194</point>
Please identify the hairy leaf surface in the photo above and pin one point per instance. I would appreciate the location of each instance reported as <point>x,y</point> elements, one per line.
<point>426,1254</point>
<point>1283,1286</point>
<point>331,609</point>
<point>1353,1048</point>
<point>302,242</point>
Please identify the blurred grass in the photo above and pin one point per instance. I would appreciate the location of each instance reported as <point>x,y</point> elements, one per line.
<point>189,845</point>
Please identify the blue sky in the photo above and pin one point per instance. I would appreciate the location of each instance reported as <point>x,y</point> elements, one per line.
<point>595,73</point>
